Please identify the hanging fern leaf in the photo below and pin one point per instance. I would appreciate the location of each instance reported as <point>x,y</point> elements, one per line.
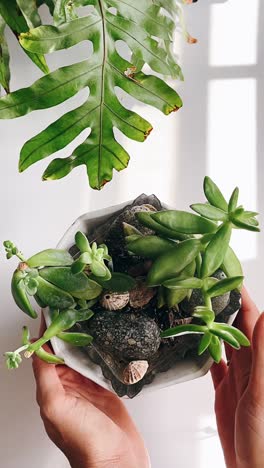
<point>147,28</point>
<point>4,58</point>
<point>14,18</point>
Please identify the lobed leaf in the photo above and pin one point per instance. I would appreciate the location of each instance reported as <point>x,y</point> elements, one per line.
<point>147,30</point>
<point>13,16</point>
<point>30,12</point>
<point>4,58</point>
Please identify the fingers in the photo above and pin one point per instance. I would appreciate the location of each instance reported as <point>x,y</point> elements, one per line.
<point>218,372</point>
<point>47,380</point>
<point>257,375</point>
<point>247,316</point>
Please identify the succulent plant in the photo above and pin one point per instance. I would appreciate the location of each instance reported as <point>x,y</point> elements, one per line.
<point>186,253</point>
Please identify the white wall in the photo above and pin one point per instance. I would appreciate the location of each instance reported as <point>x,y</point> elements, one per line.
<point>218,132</point>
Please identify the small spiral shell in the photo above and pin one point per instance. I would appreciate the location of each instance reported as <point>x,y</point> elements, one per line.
<point>134,372</point>
<point>114,301</point>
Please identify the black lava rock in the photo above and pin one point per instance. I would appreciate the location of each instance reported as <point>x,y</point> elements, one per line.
<point>125,335</point>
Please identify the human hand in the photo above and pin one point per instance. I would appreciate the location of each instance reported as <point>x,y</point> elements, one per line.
<point>87,422</point>
<point>239,393</point>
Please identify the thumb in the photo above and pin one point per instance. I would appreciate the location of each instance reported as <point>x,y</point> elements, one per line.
<point>256,383</point>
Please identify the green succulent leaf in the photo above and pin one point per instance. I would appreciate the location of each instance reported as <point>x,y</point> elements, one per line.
<point>82,242</point>
<point>171,263</point>
<point>248,224</point>
<point>13,359</point>
<point>172,297</point>
<point>231,265</point>
<point>48,357</point>
<point>119,282</point>
<point>214,194</point>
<point>232,205</point>
<point>146,29</point>
<point>98,269</point>
<point>31,285</point>
<point>215,349</point>
<point>13,16</point>
<point>146,219</point>
<point>76,339</point>
<point>204,343</point>
<point>130,230</point>
<point>226,336</point>
<point>78,285</point>
<point>4,58</point>
<point>216,250</point>
<point>238,334</point>
<point>187,283</point>
<point>224,286</point>
<point>50,257</point>
<point>150,246</point>
<point>182,330</point>
<point>53,296</point>
<point>210,212</point>
<point>77,267</point>
<point>205,314</point>
<point>184,222</point>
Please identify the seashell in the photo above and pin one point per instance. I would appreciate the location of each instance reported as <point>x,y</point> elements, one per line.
<point>134,372</point>
<point>141,295</point>
<point>114,301</point>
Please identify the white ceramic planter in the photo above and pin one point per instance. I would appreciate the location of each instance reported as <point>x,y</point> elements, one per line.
<point>187,369</point>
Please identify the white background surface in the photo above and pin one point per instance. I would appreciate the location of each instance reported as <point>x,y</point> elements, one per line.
<point>219,133</point>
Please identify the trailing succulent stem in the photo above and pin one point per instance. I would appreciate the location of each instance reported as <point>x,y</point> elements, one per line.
<point>184,252</point>
<point>147,28</point>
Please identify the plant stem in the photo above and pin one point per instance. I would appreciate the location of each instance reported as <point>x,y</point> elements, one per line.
<point>207,300</point>
<point>37,344</point>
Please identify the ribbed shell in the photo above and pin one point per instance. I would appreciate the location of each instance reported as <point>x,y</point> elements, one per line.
<point>114,301</point>
<point>134,372</point>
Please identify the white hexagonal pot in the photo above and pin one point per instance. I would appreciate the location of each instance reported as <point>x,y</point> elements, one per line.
<point>182,371</point>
